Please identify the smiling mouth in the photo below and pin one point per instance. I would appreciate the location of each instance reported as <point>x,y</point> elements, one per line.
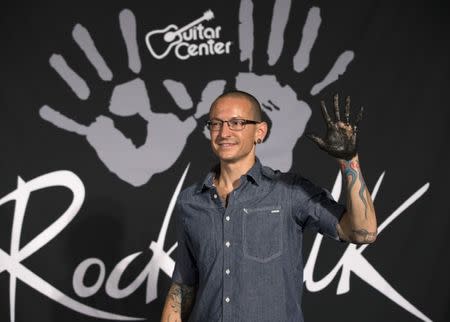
<point>226,144</point>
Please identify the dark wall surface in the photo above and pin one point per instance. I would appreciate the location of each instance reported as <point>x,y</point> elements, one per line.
<point>97,132</point>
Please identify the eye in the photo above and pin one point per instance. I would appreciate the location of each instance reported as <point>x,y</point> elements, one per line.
<point>237,122</point>
<point>215,123</point>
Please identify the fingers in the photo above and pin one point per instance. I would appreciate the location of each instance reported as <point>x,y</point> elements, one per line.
<point>316,139</point>
<point>280,18</point>
<point>310,32</point>
<point>246,31</point>
<point>325,114</point>
<point>347,110</point>
<point>212,90</point>
<point>179,94</point>
<point>358,118</point>
<point>354,140</point>
<point>127,22</point>
<point>59,120</point>
<point>336,107</point>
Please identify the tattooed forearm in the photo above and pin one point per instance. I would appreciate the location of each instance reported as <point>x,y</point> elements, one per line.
<point>349,171</point>
<point>187,301</point>
<point>181,299</point>
<point>359,223</point>
<point>352,171</point>
<point>362,193</point>
<point>175,297</point>
<point>363,236</point>
<point>179,302</point>
<point>172,319</point>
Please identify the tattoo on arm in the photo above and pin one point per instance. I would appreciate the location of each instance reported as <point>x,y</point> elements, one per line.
<point>182,299</point>
<point>364,235</point>
<point>351,169</point>
<point>360,236</point>
<point>169,319</point>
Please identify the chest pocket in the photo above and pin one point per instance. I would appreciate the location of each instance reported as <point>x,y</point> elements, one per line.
<point>262,233</point>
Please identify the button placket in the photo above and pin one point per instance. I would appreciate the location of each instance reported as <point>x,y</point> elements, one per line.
<point>228,242</point>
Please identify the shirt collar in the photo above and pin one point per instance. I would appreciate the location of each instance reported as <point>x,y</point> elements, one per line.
<point>254,174</point>
<point>208,182</point>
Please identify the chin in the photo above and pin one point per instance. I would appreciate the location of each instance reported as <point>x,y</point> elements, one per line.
<point>231,158</point>
<point>223,156</point>
<point>227,157</point>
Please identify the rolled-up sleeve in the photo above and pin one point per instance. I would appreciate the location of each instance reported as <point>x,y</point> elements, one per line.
<point>315,209</point>
<point>185,271</point>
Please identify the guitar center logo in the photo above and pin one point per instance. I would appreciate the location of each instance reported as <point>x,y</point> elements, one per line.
<point>191,40</point>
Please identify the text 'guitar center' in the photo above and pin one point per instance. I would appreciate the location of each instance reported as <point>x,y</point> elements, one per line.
<point>192,40</point>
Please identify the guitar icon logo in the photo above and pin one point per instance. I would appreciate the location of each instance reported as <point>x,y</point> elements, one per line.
<point>170,36</point>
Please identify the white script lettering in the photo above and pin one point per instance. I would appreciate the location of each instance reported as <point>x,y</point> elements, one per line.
<point>12,262</point>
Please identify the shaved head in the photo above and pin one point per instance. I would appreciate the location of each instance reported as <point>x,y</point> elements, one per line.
<point>256,107</point>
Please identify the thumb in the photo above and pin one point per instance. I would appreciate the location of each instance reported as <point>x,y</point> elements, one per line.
<point>316,139</point>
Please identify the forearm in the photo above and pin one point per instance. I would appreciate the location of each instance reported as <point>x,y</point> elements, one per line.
<point>179,302</point>
<point>359,223</point>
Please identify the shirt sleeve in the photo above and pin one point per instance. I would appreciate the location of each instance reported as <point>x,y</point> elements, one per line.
<point>315,209</point>
<point>185,271</point>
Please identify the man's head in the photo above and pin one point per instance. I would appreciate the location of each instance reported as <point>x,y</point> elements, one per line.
<point>255,106</point>
<point>238,142</point>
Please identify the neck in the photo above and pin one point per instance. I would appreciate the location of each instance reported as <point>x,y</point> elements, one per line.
<point>231,172</point>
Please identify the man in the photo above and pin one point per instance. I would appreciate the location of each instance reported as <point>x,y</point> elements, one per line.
<point>240,231</point>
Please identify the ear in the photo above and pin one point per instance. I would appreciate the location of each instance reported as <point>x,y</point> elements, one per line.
<point>261,131</point>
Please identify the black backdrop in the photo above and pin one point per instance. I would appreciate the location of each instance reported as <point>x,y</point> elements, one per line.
<point>395,59</point>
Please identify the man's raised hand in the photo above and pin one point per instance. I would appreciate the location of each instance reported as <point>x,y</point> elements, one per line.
<point>340,140</point>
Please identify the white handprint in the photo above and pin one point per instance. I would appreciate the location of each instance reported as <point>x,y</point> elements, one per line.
<point>166,133</point>
<point>287,113</point>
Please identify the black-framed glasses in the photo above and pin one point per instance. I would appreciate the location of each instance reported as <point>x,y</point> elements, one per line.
<point>233,124</point>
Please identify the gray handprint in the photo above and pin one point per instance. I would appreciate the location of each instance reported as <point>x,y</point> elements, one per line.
<point>166,133</point>
<point>287,113</point>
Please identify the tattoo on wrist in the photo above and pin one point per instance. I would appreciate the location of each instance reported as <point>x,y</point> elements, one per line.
<point>351,169</point>
<point>365,235</point>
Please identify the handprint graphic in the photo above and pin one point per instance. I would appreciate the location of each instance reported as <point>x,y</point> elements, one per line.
<point>287,113</point>
<point>166,133</point>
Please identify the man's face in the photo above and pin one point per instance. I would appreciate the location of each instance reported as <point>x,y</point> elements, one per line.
<point>229,145</point>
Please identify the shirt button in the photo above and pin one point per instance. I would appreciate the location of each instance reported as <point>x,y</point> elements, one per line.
<point>227,244</point>
<point>227,272</point>
<point>227,299</point>
<point>215,196</point>
<point>227,218</point>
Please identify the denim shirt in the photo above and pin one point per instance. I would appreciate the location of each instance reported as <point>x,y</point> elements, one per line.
<point>246,259</point>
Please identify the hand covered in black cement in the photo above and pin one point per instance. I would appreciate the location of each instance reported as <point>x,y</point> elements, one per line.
<point>341,138</point>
